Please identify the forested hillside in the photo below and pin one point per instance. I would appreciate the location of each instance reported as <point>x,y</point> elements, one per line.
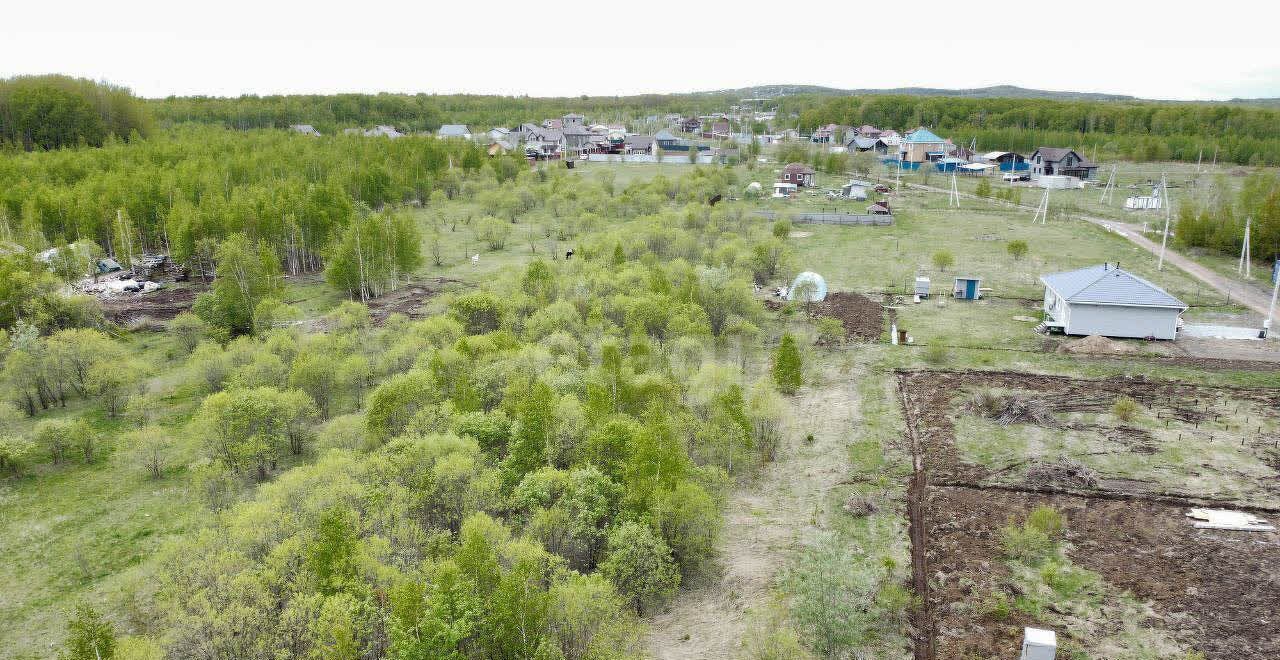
<point>49,112</point>
<point>1144,131</point>
<point>420,112</point>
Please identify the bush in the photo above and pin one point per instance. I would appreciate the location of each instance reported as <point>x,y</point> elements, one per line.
<point>782,228</point>
<point>1125,409</point>
<point>942,260</point>
<point>936,354</point>
<point>984,188</point>
<point>787,365</point>
<point>640,566</point>
<point>1048,520</point>
<point>1017,249</point>
<point>1036,539</point>
<point>830,330</point>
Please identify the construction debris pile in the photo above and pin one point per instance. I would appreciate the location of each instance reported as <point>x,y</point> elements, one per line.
<point>148,274</point>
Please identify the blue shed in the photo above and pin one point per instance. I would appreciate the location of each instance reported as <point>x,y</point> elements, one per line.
<point>966,288</point>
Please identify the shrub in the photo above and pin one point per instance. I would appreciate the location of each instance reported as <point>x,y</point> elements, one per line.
<point>830,330</point>
<point>1125,409</point>
<point>936,354</point>
<point>640,566</point>
<point>1048,520</point>
<point>1034,540</point>
<point>983,189</point>
<point>782,228</point>
<point>787,365</point>
<point>1017,249</point>
<point>942,260</point>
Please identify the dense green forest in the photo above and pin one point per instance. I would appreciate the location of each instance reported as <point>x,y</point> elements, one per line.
<point>1145,131</point>
<point>420,112</point>
<point>1218,222</point>
<point>49,112</point>
<point>1133,130</point>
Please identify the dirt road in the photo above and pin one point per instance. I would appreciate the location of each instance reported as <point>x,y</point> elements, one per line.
<point>1244,293</point>
<point>763,522</point>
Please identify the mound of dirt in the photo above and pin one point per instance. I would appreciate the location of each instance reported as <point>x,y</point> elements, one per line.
<point>1096,345</point>
<point>862,317</point>
<point>1066,473</point>
<point>144,309</point>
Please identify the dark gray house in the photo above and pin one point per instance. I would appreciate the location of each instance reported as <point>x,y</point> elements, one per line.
<point>1105,300</point>
<point>1054,160</point>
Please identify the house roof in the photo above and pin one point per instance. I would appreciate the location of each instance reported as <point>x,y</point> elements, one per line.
<point>863,142</point>
<point>922,135</point>
<point>1055,154</point>
<point>639,141</point>
<point>1106,284</point>
<point>454,130</point>
<point>798,168</point>
<point>993,155</point>
<point>664,134</point>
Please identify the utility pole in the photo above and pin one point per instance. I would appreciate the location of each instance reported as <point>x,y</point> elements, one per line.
<point>1243,268</point>
<point>1042,210</point>
<point>1110,187</point>
<point>1164,239</point>
<point>1275,286</point>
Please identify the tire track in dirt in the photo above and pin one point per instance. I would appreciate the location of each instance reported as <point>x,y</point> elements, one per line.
<point>765,519</point>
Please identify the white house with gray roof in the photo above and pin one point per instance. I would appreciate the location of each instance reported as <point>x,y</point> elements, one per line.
<point>1105,300</point>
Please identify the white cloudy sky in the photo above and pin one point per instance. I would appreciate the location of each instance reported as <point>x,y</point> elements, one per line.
<point>1170,49</point>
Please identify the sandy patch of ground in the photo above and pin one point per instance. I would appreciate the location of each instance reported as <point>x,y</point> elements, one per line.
<point>764,521</point>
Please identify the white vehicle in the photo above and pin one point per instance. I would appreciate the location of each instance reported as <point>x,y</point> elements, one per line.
<point>1016,176</point>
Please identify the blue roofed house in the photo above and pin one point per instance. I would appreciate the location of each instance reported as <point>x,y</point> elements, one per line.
<point>922,145</point>
<point>1105,300</point>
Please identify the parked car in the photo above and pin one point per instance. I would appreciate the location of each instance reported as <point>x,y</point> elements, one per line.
<point>881,188</point>
<point>1016,176</point>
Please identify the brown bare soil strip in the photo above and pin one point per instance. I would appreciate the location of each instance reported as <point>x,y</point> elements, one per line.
<point>1214,591</point>
<point>923,624</point>
<point>160,305</point>
<point>407,300</point>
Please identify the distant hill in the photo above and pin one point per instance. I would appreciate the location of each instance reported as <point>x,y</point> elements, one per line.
<point>995,91</point>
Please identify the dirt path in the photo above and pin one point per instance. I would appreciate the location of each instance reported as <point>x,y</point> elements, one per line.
<point>764,520</point>
<point>1245,293</point>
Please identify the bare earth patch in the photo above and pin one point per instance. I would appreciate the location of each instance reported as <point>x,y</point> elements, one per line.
<point>764,521</point>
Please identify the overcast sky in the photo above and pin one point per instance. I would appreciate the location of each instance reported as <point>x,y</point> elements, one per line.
<point>1168,50</point>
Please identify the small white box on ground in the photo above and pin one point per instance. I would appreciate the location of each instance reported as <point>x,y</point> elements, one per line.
<point>1038,644</point>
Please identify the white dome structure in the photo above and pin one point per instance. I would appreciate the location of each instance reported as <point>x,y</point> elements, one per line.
<point>810,283</point>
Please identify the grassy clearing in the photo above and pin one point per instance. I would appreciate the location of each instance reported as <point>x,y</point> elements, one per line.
<point>78,532</point>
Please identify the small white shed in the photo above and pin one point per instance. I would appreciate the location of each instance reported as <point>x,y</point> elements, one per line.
<point>1105,300</point>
